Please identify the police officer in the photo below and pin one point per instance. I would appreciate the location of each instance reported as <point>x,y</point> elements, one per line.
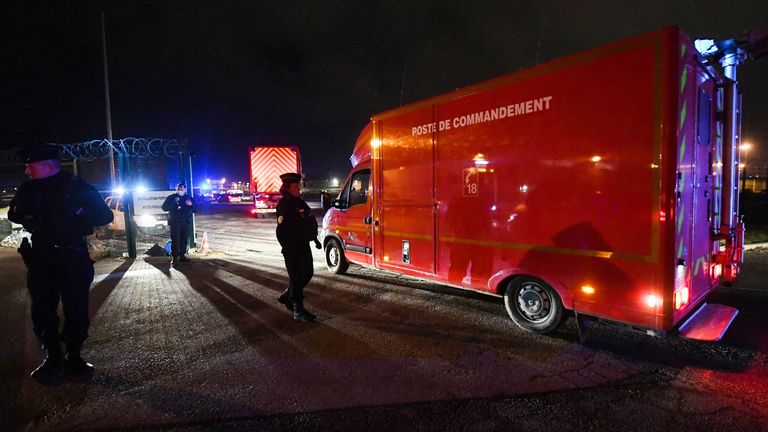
<point>180,207</point>
<point>296,227</point>
<point>59,210</point>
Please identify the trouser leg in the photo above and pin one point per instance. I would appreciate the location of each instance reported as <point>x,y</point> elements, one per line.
<point>293,266</point>
<point>307,267</point>
<point>183,238</point>
<point>75,282</point>
<point>298,262</point>
<point>44,297</point>
<point>175,239</point>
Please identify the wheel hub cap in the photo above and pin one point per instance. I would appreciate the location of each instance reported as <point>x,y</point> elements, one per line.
<point>533,302</point>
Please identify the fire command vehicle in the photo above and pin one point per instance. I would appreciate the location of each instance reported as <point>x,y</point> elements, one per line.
<point>604,183</point>
<point>267,163</point>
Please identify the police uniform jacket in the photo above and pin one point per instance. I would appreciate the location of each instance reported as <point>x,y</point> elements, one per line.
<point>296,226</point>
<point>178,210</point>
<point>59,210</point>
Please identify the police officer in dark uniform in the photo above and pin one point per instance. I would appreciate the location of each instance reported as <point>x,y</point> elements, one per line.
<point>59,210</point>
<point>180,207</point>
<point>296,227</point>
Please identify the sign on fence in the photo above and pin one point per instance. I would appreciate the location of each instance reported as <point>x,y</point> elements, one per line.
<point>149,202</point>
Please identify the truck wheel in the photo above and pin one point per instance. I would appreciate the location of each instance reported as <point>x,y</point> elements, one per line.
<point>334,257</point>
<point>533,305</point>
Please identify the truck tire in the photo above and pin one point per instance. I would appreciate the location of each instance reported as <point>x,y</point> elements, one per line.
<point>533,304</point>
<point>334,257</point>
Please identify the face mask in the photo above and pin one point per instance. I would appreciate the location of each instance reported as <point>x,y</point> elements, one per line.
<point>181,192</point>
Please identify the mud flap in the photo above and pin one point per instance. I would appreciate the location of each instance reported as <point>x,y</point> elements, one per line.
<point>709,323</point>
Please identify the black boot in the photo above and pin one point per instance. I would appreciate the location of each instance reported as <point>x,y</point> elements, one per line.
<point>285,300</point>
<point>49,369</point>
<point>301,314</point>
<point>75,365</point>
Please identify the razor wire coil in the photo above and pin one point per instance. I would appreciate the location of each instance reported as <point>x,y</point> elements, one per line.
<point>135,148</point>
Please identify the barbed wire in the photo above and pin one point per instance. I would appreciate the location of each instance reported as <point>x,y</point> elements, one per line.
<point>136,148</point>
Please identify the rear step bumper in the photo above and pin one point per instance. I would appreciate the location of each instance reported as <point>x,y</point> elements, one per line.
<point>709,323</point>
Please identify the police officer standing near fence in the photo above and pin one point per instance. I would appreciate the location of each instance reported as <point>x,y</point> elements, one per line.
<point>59,210</point>
<point>296,227</point>
<point>180,207</point>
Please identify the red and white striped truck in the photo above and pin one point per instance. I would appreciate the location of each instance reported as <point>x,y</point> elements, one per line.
<point>267,163</point>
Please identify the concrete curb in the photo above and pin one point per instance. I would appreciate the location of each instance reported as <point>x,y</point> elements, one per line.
<point>755,245</point>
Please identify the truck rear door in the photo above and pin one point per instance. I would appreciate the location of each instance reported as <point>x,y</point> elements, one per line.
<point>694,223</point>
<point>703,190</point>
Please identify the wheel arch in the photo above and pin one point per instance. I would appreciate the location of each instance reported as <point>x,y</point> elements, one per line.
<point>329,236</point>
<point>499,282</point>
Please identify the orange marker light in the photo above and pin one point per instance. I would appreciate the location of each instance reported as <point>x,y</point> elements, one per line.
<point>587,289</point>
<point>652,301</point>
<point>717,271</point>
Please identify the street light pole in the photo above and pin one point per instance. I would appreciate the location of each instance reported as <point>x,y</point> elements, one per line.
<point>106,96</point>
<point>744,149</point>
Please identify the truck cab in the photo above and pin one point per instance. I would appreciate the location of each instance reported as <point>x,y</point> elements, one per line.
<point>348,224</point>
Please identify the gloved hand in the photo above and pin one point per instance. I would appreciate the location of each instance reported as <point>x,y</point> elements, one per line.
<point>317,244</point>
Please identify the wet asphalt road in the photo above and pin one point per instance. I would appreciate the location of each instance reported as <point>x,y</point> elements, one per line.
<point>207,347</point>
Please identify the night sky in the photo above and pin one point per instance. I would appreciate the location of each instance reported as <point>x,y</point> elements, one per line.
<point>225,75</point>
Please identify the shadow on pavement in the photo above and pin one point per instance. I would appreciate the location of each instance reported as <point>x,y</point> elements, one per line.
<point>161,263</point>
<point>266,325</point>
<point>101,290</point>
<point>175,402</point>
<point>433,287</point>
<point>672,350</point>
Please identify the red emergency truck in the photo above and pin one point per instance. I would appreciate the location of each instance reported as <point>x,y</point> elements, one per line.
<point>601,183</point>
<point>267,163</point>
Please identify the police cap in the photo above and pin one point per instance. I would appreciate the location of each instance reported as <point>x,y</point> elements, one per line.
<point>39,153</point>
<point>289,178</point>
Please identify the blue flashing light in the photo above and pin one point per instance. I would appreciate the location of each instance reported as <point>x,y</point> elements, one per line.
<point>120,191</point>
<point>705,46</point>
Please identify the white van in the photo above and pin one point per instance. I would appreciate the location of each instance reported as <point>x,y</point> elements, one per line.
<point>157,221</point>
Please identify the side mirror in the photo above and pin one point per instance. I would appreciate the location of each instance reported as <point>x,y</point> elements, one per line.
<point>325,200</point>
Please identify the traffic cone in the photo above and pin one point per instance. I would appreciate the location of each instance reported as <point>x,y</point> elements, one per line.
<point>204,248</point>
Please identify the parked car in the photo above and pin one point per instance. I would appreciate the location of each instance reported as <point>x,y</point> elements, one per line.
<point>265,203</point>
<point>232,196</point>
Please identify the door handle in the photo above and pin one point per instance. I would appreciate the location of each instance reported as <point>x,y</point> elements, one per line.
<point>367,220</point>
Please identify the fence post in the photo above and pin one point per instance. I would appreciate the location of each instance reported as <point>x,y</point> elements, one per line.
<point>130,234</point>
<point>185,166</point>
